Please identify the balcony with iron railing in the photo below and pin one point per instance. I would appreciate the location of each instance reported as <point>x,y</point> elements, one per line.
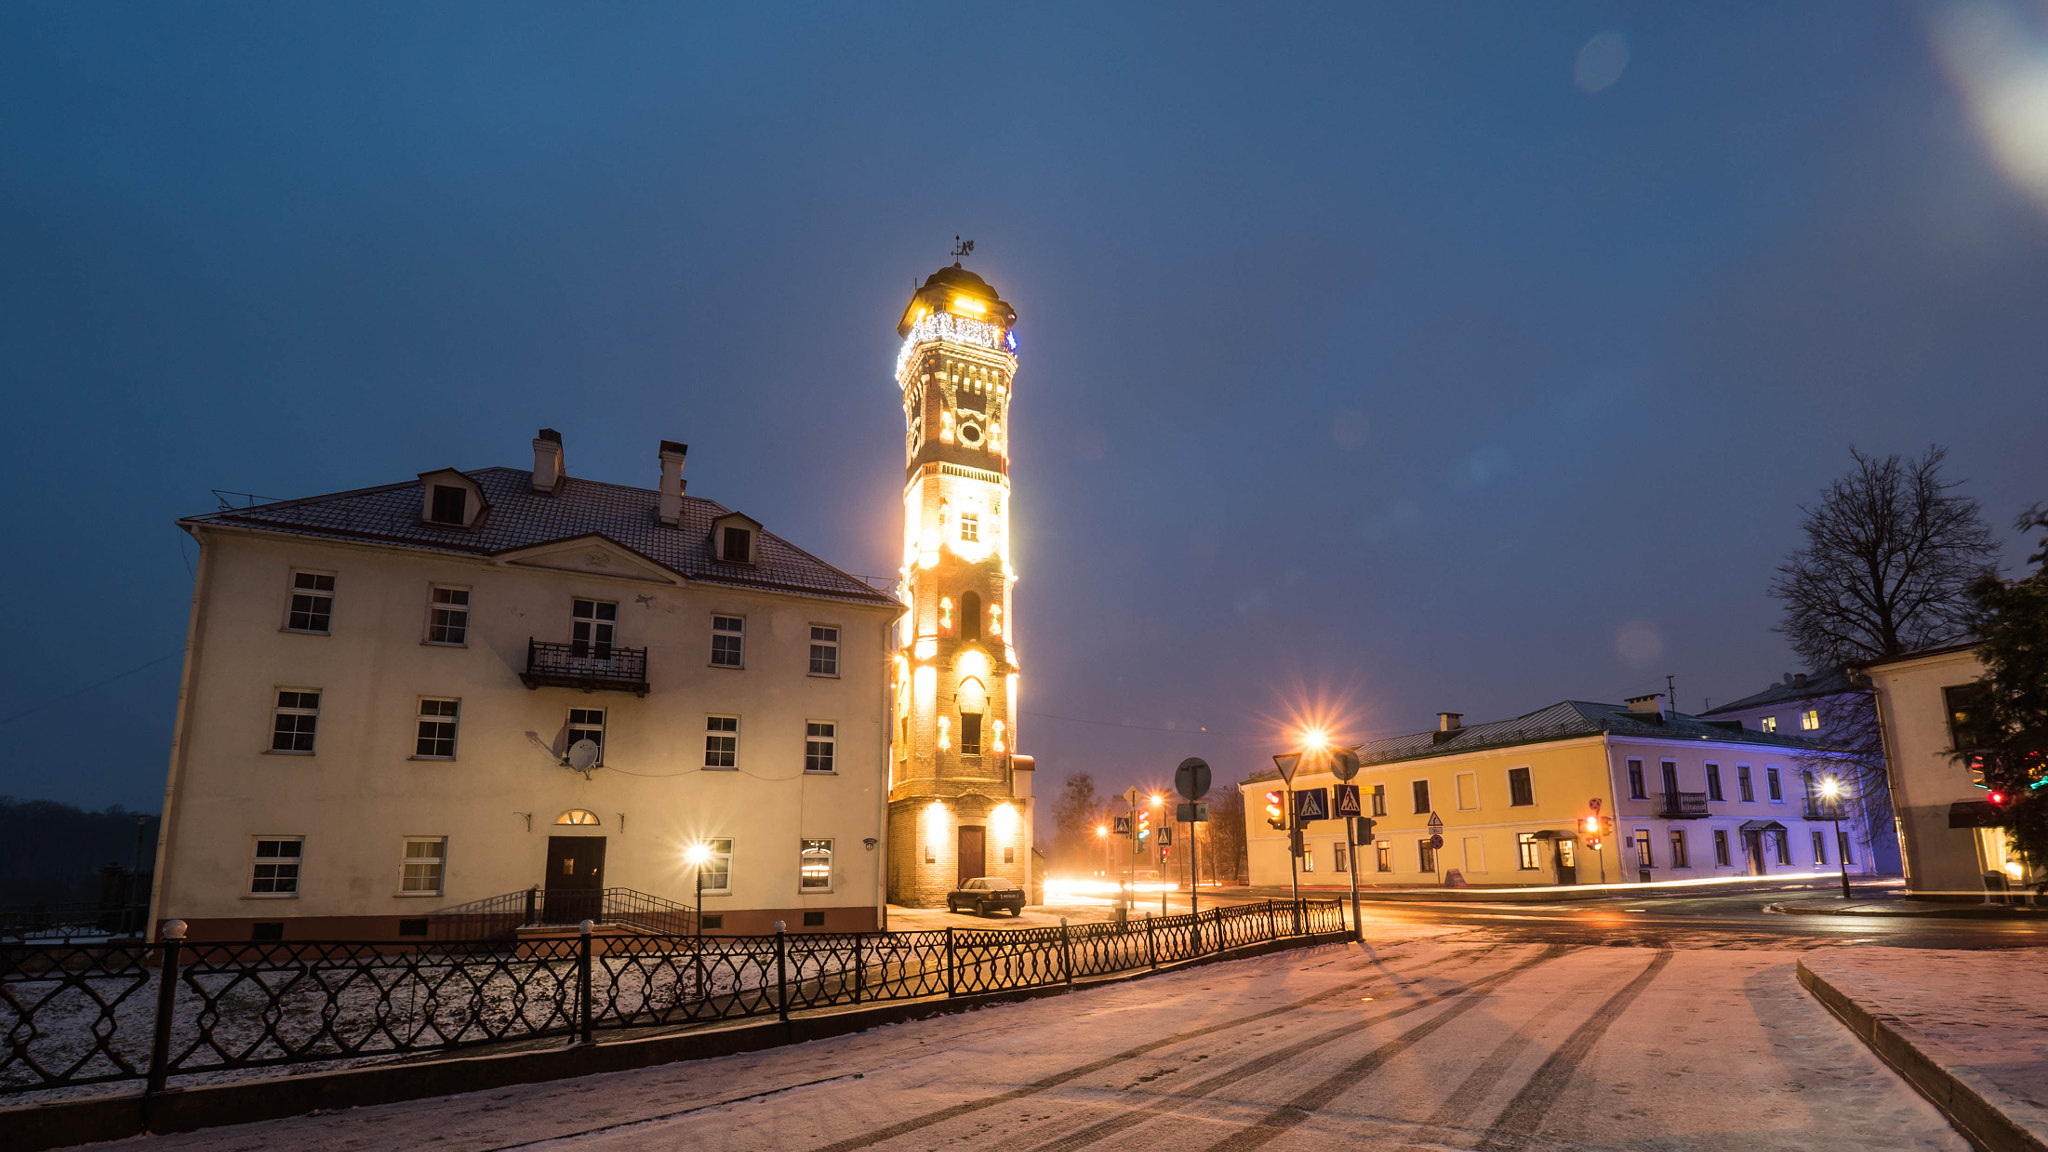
<point>1821,808</point>
<point>1683,806</point>
<point>585,665</point>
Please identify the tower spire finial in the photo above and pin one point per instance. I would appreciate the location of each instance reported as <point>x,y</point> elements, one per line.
<point>961,249</point>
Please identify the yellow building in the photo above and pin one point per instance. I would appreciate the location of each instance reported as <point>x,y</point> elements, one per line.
<point>959,796</point>
<point>1675,798</point>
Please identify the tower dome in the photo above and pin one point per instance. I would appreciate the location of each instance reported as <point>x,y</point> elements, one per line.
<point>955,290</point>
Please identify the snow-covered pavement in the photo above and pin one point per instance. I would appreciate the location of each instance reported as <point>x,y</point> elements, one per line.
<point>1431,1042</point>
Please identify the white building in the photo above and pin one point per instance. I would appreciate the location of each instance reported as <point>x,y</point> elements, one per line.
<point>1955,843</point>
<point>1835,708</point>
<point>381,687</point>
<point>1670,797</point>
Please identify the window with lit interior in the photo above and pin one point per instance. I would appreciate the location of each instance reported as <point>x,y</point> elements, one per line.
<point>420,873</point>
<point>814,866</point>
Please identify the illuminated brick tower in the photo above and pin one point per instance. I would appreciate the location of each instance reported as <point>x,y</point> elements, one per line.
<point>959,796</point>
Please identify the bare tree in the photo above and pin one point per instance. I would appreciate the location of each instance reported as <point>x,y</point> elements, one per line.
<point>1223,842</point>
<point>1890,554</point>
<point>1073,817</point>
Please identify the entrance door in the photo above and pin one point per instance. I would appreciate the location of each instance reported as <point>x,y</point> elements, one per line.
<point>575,887</point>
<point>1753,848</point>
<point>1567,866</point>
<point>973,852</point>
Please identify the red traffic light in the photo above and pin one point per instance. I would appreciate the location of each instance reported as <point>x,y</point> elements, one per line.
<point>1276,809</point>
<point>1594,843</point>
<point>1998,799</point>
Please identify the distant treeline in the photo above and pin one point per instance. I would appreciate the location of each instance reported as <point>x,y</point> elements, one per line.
<point>53,853</point>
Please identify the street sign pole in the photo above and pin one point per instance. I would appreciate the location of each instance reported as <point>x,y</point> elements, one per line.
<point>1345,766</point>
<point>1191,779</point>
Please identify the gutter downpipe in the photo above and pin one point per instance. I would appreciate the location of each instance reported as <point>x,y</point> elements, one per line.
<point>195,631</point>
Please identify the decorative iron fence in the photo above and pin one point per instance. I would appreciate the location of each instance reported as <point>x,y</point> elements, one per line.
<point>65,921</point>
<point>501,917</point>
<point>84,1014</point>
<point>585,665</point>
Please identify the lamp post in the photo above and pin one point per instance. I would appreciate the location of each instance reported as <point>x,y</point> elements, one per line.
<point>1832,789</point>
<point>697,855</point>
<point>1159,864</point>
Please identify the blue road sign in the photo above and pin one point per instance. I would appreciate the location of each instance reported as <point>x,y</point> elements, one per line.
<point>1347,800</point>
<point>1165,835</point>
<point>1436,841</point>
<point>1122,826</point>
<point>1312,804</point>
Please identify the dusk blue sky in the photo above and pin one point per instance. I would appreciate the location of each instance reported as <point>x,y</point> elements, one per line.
<point>1417,357</point>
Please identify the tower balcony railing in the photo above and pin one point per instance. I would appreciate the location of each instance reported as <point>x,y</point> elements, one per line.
<point>1683,806</point>
<point>587,666</point>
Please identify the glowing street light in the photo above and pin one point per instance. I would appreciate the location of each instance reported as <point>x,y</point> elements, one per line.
<point>697,856</point>
<point>1831,790</point>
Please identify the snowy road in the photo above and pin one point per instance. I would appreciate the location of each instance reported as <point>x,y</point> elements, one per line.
<point>1438,1041</point>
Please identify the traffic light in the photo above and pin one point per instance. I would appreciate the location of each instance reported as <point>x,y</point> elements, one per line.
<point>1593,843</point>
<point>1144,824</point>
<point>1294,841</point>
<point>1590,825</point>
<point>1362,829</point>
<point>1998,798</point>
<point>1276,809</point>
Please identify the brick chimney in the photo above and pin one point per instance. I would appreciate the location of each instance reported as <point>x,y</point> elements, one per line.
<point>548,472</point>
<point>672,483</point>
<point>1447,725</point>
<point>1651,705</point>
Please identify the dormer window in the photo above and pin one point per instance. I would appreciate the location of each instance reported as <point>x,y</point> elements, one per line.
<point>451,505</point>
<point>449,497</point>
<point>736,539</point>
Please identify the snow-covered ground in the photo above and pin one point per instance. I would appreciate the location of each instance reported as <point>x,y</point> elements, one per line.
<point>1980,1014</point>
<point>1425,1039</point>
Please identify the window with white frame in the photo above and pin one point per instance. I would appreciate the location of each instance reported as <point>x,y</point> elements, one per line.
<point>1379,800</point>
<point>1679,857</point>
<point>721,741</point>
<point>814,866</point>
<point>274,865</point>
<point>593,626</point>
<point>728,642</point>
<point>1468,790</point>
<point>586,724</point>
<point>420,871</point>
<point>448,616</point>
<point>1773,785</point>
<point>820,740</point>
<point>436,736</point>
<point>1520,792</point>
<point>1809,720</point>
<point>824,650</point>
<point>1820,846</point>
<point>970,527</point>
<point>1339,857</point>
<point>312,607</point>
<point>717,867</point>
<point>1745,787</point>
<point>294,720</point>
<point>1528,851</point>
<point>1384,851</point>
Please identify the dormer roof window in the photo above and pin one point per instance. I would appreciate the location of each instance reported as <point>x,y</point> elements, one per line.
<point>450,504</point>
<point>448,497</point>
<point>736,538</point>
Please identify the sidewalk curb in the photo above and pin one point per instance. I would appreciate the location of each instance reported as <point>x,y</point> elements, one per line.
<point>1982,1123</point>
<point>82,1120</point>
<point>1960,912</point>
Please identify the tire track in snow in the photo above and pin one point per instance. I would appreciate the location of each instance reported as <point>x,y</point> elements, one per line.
<point>1467,994</point>
<point>1524,1114</point>
<point>968,1107</point>
<point>1292,1113</point>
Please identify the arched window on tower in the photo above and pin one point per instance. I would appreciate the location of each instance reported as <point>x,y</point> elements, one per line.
<point>970,615</point>
<point>973,704</point>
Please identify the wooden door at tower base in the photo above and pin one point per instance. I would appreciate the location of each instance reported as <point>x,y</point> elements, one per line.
<point>973,852</point>
<point>575,888</point>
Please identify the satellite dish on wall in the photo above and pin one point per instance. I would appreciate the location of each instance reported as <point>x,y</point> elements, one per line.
<point>582,754</point>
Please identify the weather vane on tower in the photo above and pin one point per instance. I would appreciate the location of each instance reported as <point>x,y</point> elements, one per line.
<point>961,249</point>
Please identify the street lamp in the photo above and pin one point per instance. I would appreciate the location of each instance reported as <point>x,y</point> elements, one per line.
<point>1831,788</point>
<point>697,855</point>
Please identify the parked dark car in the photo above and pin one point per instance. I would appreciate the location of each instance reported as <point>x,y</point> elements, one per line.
<point>984,894</point>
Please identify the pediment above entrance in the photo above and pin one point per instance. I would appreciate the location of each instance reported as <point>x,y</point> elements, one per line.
<point>592,555</point>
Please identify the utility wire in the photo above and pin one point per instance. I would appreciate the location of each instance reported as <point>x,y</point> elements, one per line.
<point>30,711</point>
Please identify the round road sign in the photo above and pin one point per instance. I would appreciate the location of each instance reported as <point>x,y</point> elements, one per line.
<point>1191,779</point>
<point>1344,763</point>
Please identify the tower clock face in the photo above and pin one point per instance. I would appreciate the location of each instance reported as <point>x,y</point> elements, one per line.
<point>969,434</point>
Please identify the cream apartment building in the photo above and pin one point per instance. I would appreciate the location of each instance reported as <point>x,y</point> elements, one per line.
<point>384,692</point>
<point>1672,797</point>
<point>1955,842</point>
